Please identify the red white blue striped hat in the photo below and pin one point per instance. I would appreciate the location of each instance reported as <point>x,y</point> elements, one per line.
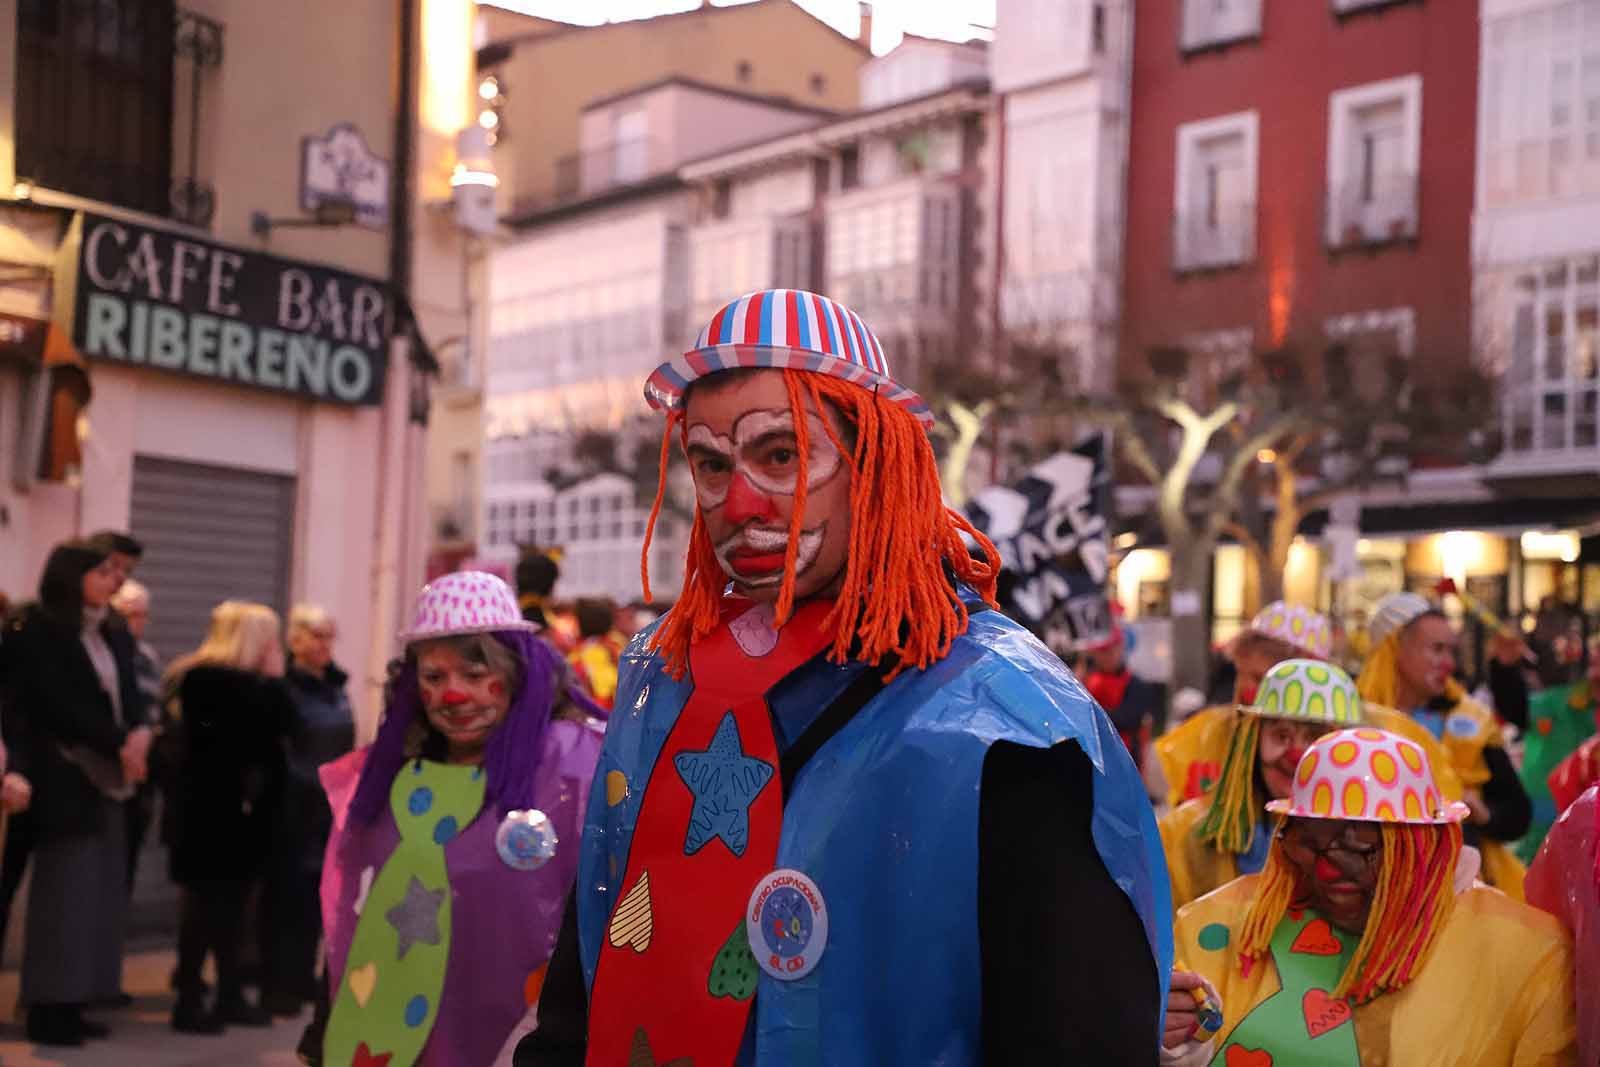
<point>788,329</point>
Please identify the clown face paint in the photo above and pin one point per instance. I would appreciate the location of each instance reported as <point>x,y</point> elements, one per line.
<point>1283,742</point>
<point>1337,861</point>
<point>745,459</point>
<point>464,701</point>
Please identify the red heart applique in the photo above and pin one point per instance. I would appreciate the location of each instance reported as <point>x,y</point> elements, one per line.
<point>1323,1012</point>
<point>1316,939</point>
<point>1239,1056</point>
<point>365,1057</point>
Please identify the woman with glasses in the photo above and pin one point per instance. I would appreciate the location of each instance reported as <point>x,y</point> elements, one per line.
<point>1365,938</point>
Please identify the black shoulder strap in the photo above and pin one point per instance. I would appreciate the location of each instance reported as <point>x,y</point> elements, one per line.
<point>866,685</point>
<point>861,689</point>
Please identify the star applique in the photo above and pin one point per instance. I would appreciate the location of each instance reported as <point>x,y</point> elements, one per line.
<point>416,918</point>
<point>724,782</point>
<point>641,1056</point>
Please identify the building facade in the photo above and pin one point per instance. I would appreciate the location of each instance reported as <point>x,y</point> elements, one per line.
<point>215,288</point>
<point>1061,75</point>
<point>544,92</point>
<point>584,302</point>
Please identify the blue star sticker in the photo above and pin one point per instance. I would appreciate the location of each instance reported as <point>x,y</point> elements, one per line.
<point>724,782</point>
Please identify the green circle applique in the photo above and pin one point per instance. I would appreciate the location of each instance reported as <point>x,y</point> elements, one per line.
<point>1292,697</point>
<point>1214,938</point>
<point>1318,675</point>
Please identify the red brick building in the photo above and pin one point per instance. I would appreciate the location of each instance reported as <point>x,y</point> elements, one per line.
<point>1298,173</point>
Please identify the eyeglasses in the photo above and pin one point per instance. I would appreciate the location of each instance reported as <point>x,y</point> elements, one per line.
<point>1322,840</point>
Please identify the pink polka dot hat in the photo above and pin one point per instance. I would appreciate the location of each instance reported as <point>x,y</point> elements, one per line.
<point>1370,776</point>
<point>466,602</point>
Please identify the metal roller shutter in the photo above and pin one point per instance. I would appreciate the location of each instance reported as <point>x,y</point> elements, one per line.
<point>210,534</point>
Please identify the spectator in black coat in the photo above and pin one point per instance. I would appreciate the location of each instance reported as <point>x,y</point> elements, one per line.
<point>233,715</point>
<point>324,729</point>
<point>74,708</point>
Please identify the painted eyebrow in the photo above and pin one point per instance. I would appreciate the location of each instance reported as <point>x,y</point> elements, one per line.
<point>768,436</point>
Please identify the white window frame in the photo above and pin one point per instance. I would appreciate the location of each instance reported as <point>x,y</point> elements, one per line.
<point>1343,106</point>
<point>1213,354</point>
<point>1246,125</point>
<point>1402,320</point>
<point>1193,38</point>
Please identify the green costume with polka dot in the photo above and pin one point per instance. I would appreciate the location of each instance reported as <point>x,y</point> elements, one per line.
<point>395,970</point>
<point>1301,1024</point>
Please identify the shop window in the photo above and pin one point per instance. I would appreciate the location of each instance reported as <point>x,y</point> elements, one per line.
<point>1374,150</point>
<point>1212,23</point>
<point>1215,195</point>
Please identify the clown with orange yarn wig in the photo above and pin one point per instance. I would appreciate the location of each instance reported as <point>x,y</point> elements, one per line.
<point>1366,939</point>
<point>851,815</point>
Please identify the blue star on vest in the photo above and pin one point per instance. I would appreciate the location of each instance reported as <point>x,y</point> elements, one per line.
<point>724,782</point>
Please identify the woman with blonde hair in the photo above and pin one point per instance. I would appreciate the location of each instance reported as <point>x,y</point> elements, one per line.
<point>233,711</point>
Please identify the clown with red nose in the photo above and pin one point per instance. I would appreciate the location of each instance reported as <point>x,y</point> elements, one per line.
<point>1213,839</point>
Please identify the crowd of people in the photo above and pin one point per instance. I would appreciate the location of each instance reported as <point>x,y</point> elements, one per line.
<point>224,742</point>
<point>832,808</point>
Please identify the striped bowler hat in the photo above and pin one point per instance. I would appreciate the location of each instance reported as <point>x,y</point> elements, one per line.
<point>787,329</point>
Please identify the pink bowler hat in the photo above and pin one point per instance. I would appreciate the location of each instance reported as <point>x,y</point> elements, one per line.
<point>465,602</point>
<point>788,329</point>
<point>1298,627</point>
<point>1367,775</point>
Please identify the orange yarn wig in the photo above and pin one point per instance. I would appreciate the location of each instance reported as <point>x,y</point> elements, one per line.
<point>896,599</point>
<point>1410,906</point>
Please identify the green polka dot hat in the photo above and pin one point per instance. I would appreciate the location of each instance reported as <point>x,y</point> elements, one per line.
<point>1308,690</point>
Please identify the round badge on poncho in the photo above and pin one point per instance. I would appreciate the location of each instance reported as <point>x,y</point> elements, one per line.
<point>526,840</point>
<point>787,922</point>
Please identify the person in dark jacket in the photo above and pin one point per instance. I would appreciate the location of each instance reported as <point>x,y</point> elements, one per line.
<point>74,705</point>
<point>234,713</point>
<point>537,572</point>
<point>131,604</point>
<point>323,729</point>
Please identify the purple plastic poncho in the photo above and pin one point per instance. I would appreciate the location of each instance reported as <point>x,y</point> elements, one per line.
<point>504,921</point>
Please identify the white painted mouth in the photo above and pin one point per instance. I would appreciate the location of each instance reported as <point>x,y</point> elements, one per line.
<point>768,542</point>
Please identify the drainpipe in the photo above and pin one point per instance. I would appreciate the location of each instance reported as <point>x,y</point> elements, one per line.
<point>996,334</point>
<point>391,537</point>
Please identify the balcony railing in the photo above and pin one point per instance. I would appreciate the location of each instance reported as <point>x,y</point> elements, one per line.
<point>1209,240</point>
<point>109,103</point>
<point>598,169</point>
<point>1373,211</point>
<point>1209,23</point>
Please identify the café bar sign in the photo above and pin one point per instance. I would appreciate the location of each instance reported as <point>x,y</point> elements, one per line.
<point>149,297</point>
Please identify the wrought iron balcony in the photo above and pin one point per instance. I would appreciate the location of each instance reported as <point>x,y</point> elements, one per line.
<point>100,91</point>
<point>1373,211</point>
<point>1209,240</point>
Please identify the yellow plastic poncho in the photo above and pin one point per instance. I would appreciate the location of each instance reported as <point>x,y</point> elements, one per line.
<point>1469,729</point>
<point>1496,991</point>
<point>1195,867</point>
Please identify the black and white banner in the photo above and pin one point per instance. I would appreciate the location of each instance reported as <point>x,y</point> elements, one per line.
<point>1052,529</point>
